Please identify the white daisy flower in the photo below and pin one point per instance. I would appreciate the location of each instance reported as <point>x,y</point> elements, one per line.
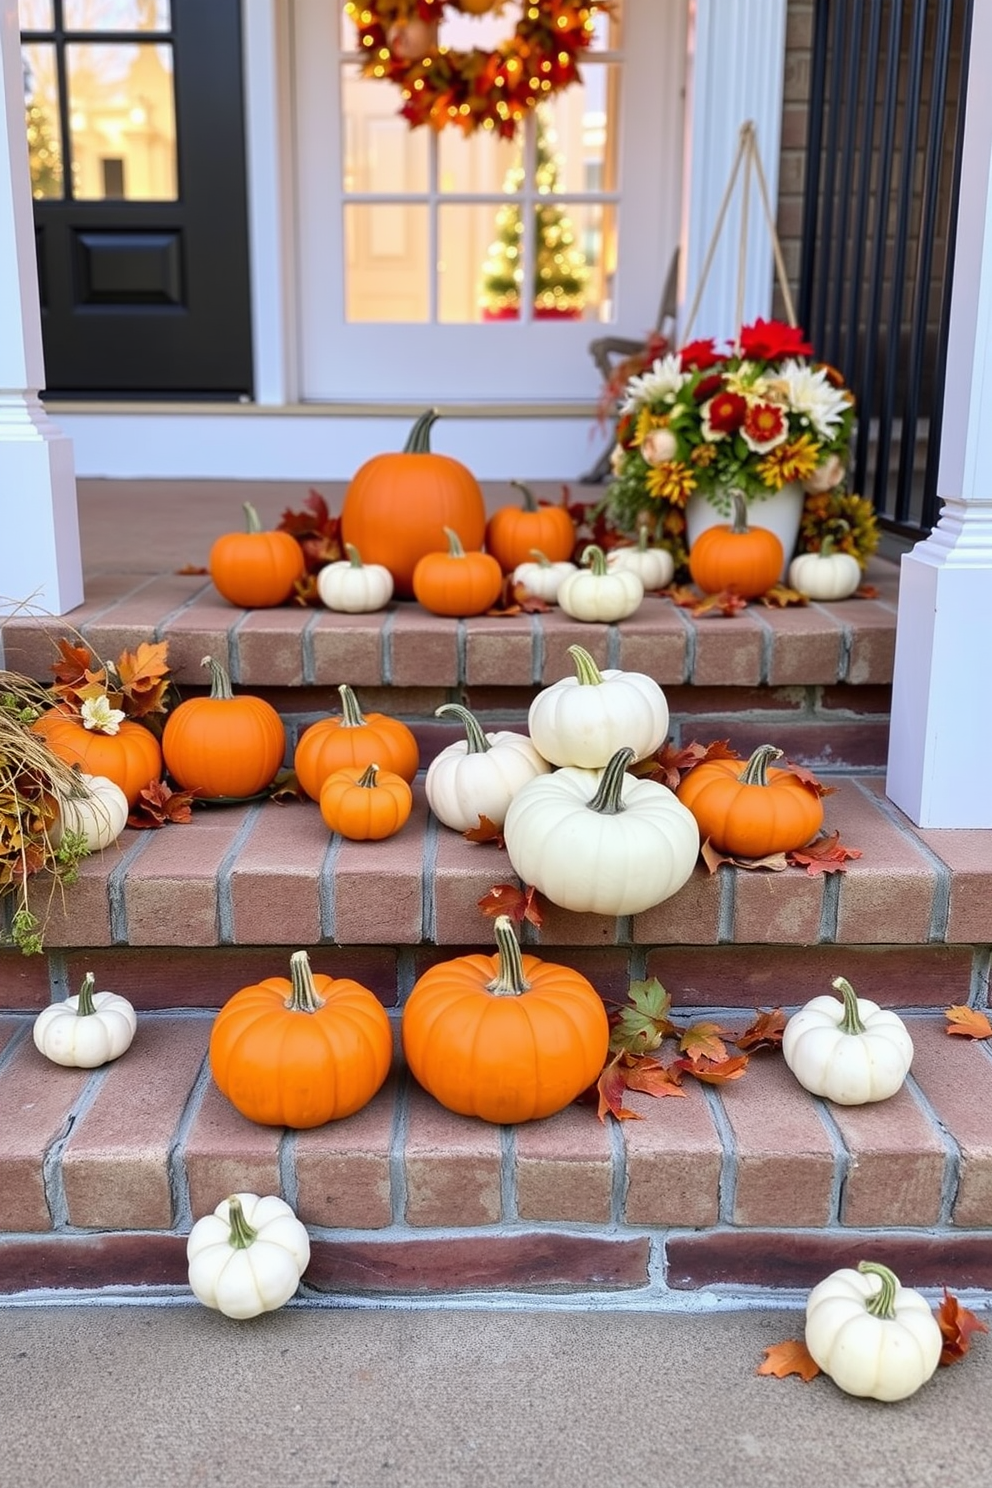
<point>97,714</point>
<point>664,380</point>
<point>810,392</point>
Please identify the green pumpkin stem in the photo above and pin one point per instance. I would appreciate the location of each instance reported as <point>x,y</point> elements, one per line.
<point>851,1022</point>
<point>85,1005</point>
<point>252,520</point>
<point>882,1305</point>
<point>755,772</point>
<point>220,681</point>
<point>368,781</point>
<point>354,556</point>
<point>738,516</point>
<point>455,549</point>
<point>351,713</point>
<point>530,503</point>
<point>242,1235</point>
<point>475,737</point>
<point>587,673</point>
<point>304,997</point>
<point>642,537</point>
<point>608,799</point>
<point>418,441</point>
<point>594,559</point>
<point>509,980</point>
<point>542,558</point>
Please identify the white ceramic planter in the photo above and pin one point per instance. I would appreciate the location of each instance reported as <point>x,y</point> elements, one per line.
<point>781,513</point>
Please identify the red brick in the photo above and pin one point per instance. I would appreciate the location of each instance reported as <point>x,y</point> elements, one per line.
<point>655,640</point>
<point>452,1164</point>
<point>816,744</point>
<point>784,1158</point>
<point>690,917</point>
<point>859,702</point>
<point>674,1160</point>
<point>136,618</point>
<point>561,631</point>
<point>873,639</point>
<point>503,701</point>
<point>805,646</point>
<point>343,1168</point>
<point>275,878</point>
<point>797,1260</point>
<point>225,1153</point>
<point>349,648</point>
<point>968,855</point>
<point>36,1098</point>
<point>896,1170</point>
<point>378,886</point>
<point>464,872</point>
<point>564,1168</point>
<point>269,646</point>
<point>955,1075</point>
<point>728,652</point>
<point>499,651</point>
<point>606,967</point>
<point>170,891</point>
<point>887,894</point>
<point>87,1262</point>
<point>84,912</point>
<point>727,704</point>
<point>204,628</point>
<point>423,649</point>
<point>8,1028</point>
<point>24,983</point>
<point>776,908</point>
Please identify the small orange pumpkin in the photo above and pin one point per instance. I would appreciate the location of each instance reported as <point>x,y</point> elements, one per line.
<point>223,745</point>
<point>748,810</point>
<point>513,532</point>
<point>457,583</point>
<point>365,805</point>
<point>735,556</point>
<point>353,740</point>
<point>131,756</point>
<point>507,1038</point>
<point>302,1051</point>
<point>255,569</point>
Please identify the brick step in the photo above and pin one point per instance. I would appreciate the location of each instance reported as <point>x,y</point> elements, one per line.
<point>754,1185</point>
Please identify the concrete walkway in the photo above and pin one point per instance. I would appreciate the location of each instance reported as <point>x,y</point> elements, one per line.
<point>151,1397</point>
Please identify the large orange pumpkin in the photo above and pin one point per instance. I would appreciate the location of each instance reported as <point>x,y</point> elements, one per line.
<point>513,532</point>
<point>507,1038</point>
<point>748,810</point>
<point>223,745</point>
<point>131,757</point>
<point>397,506</point>
<point>457,583</point>
<point>355,739</point>
<point>255,569</point>
<point>733,555</point>
<point>302,1051</point>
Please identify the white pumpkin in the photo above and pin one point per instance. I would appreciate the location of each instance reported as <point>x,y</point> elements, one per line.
<point>825,575</point>
<point>583,720</point>
<point>354,587</point>
<point>87,1030</point>
<point>871,1335</point>
<point>247,1257</point>
<point>850,1051</point>
<point>601,842</point>
<point>480,774</point>
<point>97,812</point>
<point>655,567</point>
<point>592,593</point>
<point>542,578</point>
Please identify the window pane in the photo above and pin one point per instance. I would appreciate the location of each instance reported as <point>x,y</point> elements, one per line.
<point>387,250</point>
<point>116,15</point>
<point>580,130</point>
<point>44,130</point>
<point>381,151</point>
<point>122,122</point>
<point>474,163</point>
<point>35,15</point>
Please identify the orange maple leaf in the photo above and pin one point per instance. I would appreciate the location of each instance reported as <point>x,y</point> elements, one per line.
<point>704,1041</point>
<point>780,595</point>
<point>790,1357</point>
<point>669,764</point>
<point>968,1021</point>
<point>765,1032</point>
<point>727,603</point>
<point>807,778</point>
<point>712,858</point>
<point>486,831</point>
<point>143,678</point>
<point>956,1324</point>
<point>519,904</point>
<point>824,855</point>
<point>653,1077</point>
<point>158,804</point>
<point>713,1071</point>
<point>633,1072</point>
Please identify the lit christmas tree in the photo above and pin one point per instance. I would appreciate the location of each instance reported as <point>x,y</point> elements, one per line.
<point>44,153</point>
<point>560,272</point>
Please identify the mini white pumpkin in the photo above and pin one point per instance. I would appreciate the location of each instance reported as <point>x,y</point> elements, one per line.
<point>655,567</point>
<point>602,842</point>
<point>592,593</point>
<point>247,1257</point>
<point>354,587</point>
<point>849,1051</point>
<point>583,720</point>
<point>826,575</point>
<point>87,1030</point>
<point>542,578</point>
<point>480,774</point>
<point>871,1335</point>
<point>97,811</point>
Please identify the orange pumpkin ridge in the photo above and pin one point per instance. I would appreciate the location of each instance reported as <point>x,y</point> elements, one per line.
<point>457,583</point>
<point>131,757</point>
<point>735,556</point>
<point>353,740</point>
<point>749,810</point>
<point>512,532</point>
<point>255,569</point>
<point>365,806</point>
<point>222,745</point>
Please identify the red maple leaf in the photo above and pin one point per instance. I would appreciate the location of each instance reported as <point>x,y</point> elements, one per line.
<point>519,904</point>
<point>956,1324</point>
<point>824,855</point>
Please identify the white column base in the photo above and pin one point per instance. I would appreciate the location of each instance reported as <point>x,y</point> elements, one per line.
<point>41,566</point>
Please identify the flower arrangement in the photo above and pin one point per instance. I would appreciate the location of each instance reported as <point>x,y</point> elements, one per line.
<point>754,418</point>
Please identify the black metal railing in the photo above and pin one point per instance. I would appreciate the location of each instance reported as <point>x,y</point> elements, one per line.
<point>886,117</point>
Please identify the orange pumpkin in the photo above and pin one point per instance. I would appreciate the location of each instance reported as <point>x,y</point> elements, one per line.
<point>735,556</point>
<point>457,583</point>
<point>131,757</point>
<point>302,1051</point>
<point>397,506</point>
<point>507,1038</point>
<point>365,805</point>
<point>513,532</point>
<point>748,810</point>
<point>353,740</point>
<point>223,745</point>
<point>255,569</point>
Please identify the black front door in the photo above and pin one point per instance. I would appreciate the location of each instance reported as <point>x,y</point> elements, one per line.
<point>136,142</point>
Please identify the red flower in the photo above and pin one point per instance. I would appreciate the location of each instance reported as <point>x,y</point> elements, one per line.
<point>708,386</point>
<point>726,413</point>
<point>770,340</point>
<point>764,426</point>
<point>698,355</point>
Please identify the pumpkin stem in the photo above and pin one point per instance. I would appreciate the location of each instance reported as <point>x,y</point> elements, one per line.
<point>586,671</point>
<point>220,681</point>
<point>882,1305</point>
<point>85,1005</point>
<point>475,738</point>
<point>542,558</point>
<point>252,520</point>
<point>354,556</point>
<point>418,441</point>
<point>755,772</point>
<point>304,997</point>
<point>509,980</point>
<point>851,1022</point>
<point>351,713</point>
<point>242,1235</point>
<point>594,559</point>
<point>608,798</point>
<point>368,780</point>
<point>738,517</point>
<point>530,504</point>
<point>642,537</point>
<point>455,549</point>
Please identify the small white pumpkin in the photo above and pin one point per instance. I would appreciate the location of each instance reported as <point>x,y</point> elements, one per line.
<point>592,593</point>
<point>248,1256</point>
<point>825,575</point>
<point>655,567</point>
<point>87,1030</point>
<point>480,774</point>
<point>542,578</point>
<point>603,842</point>
<point>97,811</point>
<point>583,720</point>
<point>849,1051</point>
<point>354,587</point>
<point>871,1335</point>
